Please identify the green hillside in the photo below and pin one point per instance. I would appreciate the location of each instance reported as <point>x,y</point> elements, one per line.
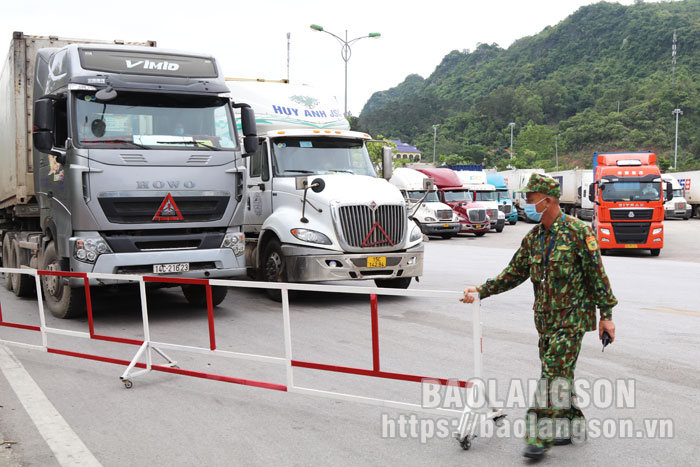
<point>569,80</point>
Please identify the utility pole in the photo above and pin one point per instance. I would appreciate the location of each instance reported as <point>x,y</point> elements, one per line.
<point>673,59</point>
<point>289,41</point>
<point>676,112</point>
<point>556,150</point>
<point>435,127</point>
<point>512,124</point>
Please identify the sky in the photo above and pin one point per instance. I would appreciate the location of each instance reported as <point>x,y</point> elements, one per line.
<point>249,39</point>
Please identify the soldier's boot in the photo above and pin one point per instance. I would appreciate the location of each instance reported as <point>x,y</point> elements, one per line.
<point>532,451</point>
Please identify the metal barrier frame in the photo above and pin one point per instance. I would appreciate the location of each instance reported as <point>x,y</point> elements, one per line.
<point>469,422</point>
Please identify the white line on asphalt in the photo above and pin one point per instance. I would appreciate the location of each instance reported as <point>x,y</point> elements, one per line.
<point>65,444</point>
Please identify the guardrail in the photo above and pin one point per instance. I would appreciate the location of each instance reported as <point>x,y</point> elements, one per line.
<point>468,423</point>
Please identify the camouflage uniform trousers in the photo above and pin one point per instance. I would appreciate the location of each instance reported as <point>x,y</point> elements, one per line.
<point>559,348</point>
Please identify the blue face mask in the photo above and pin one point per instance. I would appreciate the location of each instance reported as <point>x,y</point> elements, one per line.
<point>531,211</point>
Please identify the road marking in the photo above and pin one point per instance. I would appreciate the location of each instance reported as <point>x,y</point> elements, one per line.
<point>674,311</point>
<point>65,444</point>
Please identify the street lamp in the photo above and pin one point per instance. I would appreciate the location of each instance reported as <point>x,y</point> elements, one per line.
<point>676,112</point>
<point>512,124</point>
<point>345,52</point>
<point>556,150</point>
<point>435,127</point>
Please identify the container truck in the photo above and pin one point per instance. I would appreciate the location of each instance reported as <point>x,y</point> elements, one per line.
<point>118,158</point>
<point>505,202</point>
<point>424,207</point>
<point>678,207</point>
<point>586,211</point>
<point>690,184</point>
<point>570,182</point>
<point>472,215</point>
<point>485,194</point>
<point>315,209</point>
<point>629,201</point>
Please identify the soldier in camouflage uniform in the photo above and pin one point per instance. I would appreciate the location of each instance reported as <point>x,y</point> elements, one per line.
<point>561,258</point>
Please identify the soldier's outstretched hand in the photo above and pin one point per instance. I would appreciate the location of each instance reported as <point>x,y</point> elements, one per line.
<point>468,298</point>
<point>606,325</point>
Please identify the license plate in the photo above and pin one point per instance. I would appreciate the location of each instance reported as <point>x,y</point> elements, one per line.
<point>445,225</point>
<point>478,226</point>
<point>630,246</point>
<point>376,262</point>
<point>170,268</point>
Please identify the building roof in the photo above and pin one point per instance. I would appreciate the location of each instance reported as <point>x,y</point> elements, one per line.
<point>403,147</point>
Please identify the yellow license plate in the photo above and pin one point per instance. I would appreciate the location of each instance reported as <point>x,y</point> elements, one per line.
<point>477,226</point>
<point>376,262</point>
<point>445,225</point>
<point>630,246</point>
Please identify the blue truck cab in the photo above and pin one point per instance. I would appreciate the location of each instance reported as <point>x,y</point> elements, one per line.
<point>505,202</point>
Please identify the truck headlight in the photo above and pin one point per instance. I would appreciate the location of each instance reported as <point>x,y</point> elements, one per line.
<point>430,219</point>
<point>87,250</point>
<point>416,234</point>
<point>657,231</point>
<point>235,241</point>
<point>605,231</point>
<point>311,236</point>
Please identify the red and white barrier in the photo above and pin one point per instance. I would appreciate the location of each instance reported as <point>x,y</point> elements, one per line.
<point>468,423</point>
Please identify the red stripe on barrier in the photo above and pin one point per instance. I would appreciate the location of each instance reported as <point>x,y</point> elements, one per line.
<point>121,340</point>
<point>176,280</point>
<point>88,305</point>
<point>375,332</point>
<point>376,374</point>
<point>45,272</point>
<point>210,317</point>
<point>20,326</point>
<point>179,371</point>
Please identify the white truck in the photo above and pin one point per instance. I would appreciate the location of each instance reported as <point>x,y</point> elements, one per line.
<point>432,216</point>
<point>515,180</point>
<point>690,183</point>
<point>315,209</point>
<point>586,211</point>
<point>677,207</point>
<point>485,194</point>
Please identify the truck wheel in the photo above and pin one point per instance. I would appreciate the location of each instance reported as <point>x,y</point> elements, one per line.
<point>7,260</point>
<point>63,301</point>
<point>655,251</point>
<point>398,283</point>
<point>196,295</point>
<point>499,227</point>
<point>479,234</point>
<point>447,236</point>
<point>273,268</point>
<point>513,222</point>
<point>22,284</point>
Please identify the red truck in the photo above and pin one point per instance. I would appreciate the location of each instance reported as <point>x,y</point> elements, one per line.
<point>628,196</point>
<point>472,215</point>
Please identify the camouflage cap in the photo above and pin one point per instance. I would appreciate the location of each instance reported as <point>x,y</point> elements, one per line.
<point>542,184</point>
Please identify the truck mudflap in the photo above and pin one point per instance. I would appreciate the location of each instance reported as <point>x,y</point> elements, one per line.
<point>316,264</point>
<point>207,263</point>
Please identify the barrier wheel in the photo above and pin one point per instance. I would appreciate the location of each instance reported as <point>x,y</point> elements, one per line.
<point>127,383</point>
<point>466,443</point>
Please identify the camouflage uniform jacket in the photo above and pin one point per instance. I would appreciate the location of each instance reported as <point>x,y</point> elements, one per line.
<point>569,282</point>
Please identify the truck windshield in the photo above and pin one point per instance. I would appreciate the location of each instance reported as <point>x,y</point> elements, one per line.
<point>486,196</point>
<point>151,121</point>
<point>631,191</point>
<point>453,196</point>
<point>502,194</point>
<point>320,155</point>
<point>417,195</point>
<point>677,193</point>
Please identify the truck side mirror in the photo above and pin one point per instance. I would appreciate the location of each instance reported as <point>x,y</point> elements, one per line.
<point>387,162</point>
<point>249,129</point>
<point>591,192</point>
<point>669,192</point>
<point>428,184</point>
<point>42,131</point>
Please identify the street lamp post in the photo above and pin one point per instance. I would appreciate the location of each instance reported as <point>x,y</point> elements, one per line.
<point>345,52</point>
<point>676,112</point>
<point>435,127</point>
<point>556,150</point>
<point>512,124</point>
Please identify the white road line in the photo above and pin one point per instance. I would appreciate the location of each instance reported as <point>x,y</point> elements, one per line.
<point>65,444</point>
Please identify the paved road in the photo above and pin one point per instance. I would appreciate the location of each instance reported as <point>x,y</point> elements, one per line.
<point>175,420</point>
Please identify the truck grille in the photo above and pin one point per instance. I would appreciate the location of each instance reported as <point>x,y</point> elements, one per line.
<point>491,213</point>
<point>476,215</point>
<point>131,210</point>
<point>631,232</point>
<point>358,221</point>
<point>444,214</point>
<point>505,208</point>
<point>636,214</point>
<point>680,205</point>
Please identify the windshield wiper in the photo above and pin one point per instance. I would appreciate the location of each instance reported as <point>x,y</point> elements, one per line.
<point>116,140</point>
<point>198,143</point>
<point>300,171</point>
<point>342,170</point>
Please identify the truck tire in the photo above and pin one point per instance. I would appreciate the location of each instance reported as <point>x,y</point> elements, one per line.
<point>447,236</point>
<point>398,283</point>
<point>273,268</point>
<point>7,260</point>
<point>513,222</point>
<point>479,234</point>
<point>22,284</point>
<point>63,301</point>
<point>655,251</point>
<point>196,295</point>
<point>499,228</point>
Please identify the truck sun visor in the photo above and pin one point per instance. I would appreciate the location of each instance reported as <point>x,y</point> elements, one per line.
<point>147,63</point>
